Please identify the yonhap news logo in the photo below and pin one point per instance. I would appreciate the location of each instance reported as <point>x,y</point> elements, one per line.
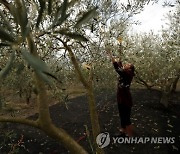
<point>103,140</point>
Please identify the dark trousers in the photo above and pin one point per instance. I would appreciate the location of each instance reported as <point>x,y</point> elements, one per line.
<point>124,113</point>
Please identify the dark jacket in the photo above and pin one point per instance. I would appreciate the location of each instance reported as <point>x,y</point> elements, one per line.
<point>124,82</point>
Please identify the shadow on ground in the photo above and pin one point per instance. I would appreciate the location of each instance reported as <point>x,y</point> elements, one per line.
<point>150,119</point>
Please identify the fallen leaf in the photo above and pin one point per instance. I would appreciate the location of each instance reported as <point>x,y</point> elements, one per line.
<point>170,125</point>
<point>169,131</point>
<point>156,147</point>
<point>174,116</point>
<point>174,147</point>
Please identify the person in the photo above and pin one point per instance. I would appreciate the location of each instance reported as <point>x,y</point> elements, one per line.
<point>124,98</point>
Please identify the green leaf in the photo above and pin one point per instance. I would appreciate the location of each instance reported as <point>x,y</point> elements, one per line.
<point>5,36</point>
<point>39,67</point>
<point>56,16</point>
<point>70,4</point>
<point>86,17</point>
<point>52,76</point>
<point>49,7</point>
<point>35,62</point>
<point>41,10</point>
<point>64,9</point>
<point>4,72</point>
<point>75,36</point>
<point>44,77</point>
<point>22,17</point>
<point>61,11</point>
<point>61,20</point>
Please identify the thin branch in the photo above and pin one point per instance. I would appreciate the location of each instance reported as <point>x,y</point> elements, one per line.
<point>74,61</point>
<point>42,34</point>
<point>141,81</point>
<point>5,3</point>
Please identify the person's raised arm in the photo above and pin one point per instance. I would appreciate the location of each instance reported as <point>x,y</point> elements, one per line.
<point>118,67</point>
<point>111,56</point>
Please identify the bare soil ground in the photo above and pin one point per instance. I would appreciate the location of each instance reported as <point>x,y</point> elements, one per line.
<point>149,117</point>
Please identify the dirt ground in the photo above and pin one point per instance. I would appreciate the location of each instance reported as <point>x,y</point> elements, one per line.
<point>149,117</point>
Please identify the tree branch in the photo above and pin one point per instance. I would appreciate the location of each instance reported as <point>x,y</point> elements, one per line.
<point>20,121</point>
<point>141,81</point>
<point>5,3</point>
<point>74,61</point>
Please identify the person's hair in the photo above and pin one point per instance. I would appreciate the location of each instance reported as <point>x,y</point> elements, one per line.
<point>133,69</point>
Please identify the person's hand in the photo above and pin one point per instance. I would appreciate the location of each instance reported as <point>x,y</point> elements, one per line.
<point>109,52</point>
<point>111,56</point>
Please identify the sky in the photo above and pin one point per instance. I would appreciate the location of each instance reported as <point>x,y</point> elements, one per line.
<point>152,18</point>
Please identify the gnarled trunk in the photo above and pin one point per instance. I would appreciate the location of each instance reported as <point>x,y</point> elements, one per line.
<point>174,84</point>
<point>90,94</point>
<point>165,95</point>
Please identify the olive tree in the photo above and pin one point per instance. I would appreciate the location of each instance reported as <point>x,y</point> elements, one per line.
<point>156,58</point>
<point>21,36</point>
<point>37,31</point>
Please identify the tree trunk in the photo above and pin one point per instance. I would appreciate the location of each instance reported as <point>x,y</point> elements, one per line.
<point>91,99</point>
<point>94,118</point>
<point>165,95</point>
<point>61,136</point>
<point>174,84</point>
<point>164,99</point>
<point>44,119</point>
